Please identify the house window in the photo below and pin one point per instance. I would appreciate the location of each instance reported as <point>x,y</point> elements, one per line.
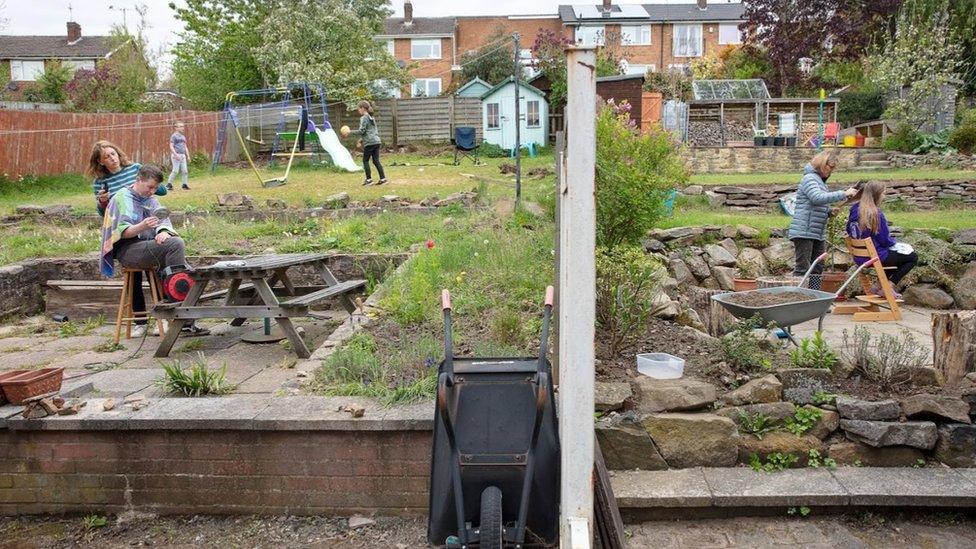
<point>79,64</point>
<point>494,119</point>
<point>26,70</point>
<point>590,36</point>
<point>425,49</point>
<point>687,41</point>
<point>532,117</point>
<point>635,35</point>
<point>390,47</point>
<point>728,33</point>
<point>426,87</point>
<point>638,69</point>
<point>385,89</point>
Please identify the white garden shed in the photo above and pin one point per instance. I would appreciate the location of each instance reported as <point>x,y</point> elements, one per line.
<point>498,115</point>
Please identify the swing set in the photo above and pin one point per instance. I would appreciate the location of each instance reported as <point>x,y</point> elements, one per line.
<point>297,104</point>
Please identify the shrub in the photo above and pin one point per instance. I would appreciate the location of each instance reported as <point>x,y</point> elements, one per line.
<point>197,380</point>
<point>858,106</point>
<point>627,280</point>
<point>933,142</point>
<point>491,150</point>
<point>883,359</point>
<point>634,175</point>
<point>776,461</point>
<point>963,138</point>
<point>815,460</point>
<point>671,84</point>
<point>53,81</point>
<point>813,353</point>
<point>744,351</point>
<point>904,139</point>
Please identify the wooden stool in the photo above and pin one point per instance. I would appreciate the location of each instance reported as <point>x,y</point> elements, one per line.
<point>126,314</point>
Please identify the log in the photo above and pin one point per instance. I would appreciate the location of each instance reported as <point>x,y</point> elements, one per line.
<point>716,319</point>
<point>954,344</point>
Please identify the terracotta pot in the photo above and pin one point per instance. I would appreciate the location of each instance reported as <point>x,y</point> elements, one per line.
<point>744,284</point>
<point>830,282</point>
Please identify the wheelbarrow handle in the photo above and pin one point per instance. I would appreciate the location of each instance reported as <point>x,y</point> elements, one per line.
<point>445,299</point>
<point>813,264</point>
<point>550,295</point>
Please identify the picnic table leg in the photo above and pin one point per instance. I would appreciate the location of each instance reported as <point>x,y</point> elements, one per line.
<point>331,280</point>
<point>232,292</point>
<point>285,281</point>
<point>166,344</point>
<point>264,290</point>
<point>255,299</point>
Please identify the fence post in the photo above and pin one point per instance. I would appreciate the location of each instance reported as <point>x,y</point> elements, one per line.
<point>577,313</point>
<point>450,129</point>
<point>395,121</point>
<point>560,159</point>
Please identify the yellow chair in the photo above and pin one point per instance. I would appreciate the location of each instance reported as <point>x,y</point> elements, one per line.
<point>126,314</point>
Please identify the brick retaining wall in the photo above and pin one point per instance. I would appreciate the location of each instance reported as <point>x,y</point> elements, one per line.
<point>215,472</point>
<point>763,159</point>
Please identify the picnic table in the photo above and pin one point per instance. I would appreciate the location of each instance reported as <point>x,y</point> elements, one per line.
<point>259,288</point>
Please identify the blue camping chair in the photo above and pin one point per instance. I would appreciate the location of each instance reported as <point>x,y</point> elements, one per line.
<point>465,144</point>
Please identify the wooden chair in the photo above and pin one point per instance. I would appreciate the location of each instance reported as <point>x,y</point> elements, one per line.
<point>126,314</point>
<point>872,307</point>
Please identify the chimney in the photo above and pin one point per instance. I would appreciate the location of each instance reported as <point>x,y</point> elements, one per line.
<point>407,13</point>
<point>703,4</point>
<point>606,5</point>
<point>74,32</point>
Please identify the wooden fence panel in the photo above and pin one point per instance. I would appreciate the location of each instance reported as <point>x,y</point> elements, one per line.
<point>34,142</point>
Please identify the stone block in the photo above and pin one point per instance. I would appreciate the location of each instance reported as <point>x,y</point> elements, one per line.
<point>671,395</point>
<point>936,407</point>
<point>661,489</point>
<point>766,389</point>
<point>781,442</point>
<point>610,396</point>
<point>774,411</point>
<point>956,446</point>
<point>800,384</point>
<point>852,408</point>
<point>743,487</point>
<point>851,452</point>
<point>694,440</point>
<point>917,434</point>
<point>924,487</point>
<point>626,445</point>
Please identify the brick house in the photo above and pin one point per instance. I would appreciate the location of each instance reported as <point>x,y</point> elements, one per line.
<point>650,37</point>
<point>24,58</point>
<point>655,37</point>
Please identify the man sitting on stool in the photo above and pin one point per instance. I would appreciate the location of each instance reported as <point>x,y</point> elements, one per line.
<point>136,238</point>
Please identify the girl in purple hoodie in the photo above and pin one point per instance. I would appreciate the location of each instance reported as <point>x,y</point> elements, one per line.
<point>866,220</point>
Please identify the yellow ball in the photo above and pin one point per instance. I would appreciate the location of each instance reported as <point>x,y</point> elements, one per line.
<point>344,131</point>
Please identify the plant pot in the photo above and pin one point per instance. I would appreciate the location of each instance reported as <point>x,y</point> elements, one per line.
<point>790,141</point>
<point>767,141</point>
<point>779,141</point>
<point>858,140</point>
<point>744,284</point>
<point>758,141</point>
<point>830,282</point>
<point>31,383</point>
<point>5,376</point>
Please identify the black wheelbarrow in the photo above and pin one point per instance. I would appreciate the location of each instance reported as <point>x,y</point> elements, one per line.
<point>785,315</point>
<point>494,476</point>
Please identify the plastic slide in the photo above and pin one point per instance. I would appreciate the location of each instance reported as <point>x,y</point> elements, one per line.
<point>340,155</point>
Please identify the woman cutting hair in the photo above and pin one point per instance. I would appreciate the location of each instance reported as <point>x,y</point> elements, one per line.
<point>866,220</point>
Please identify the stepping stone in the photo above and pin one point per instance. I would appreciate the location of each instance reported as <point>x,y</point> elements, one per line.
<point>661,489</point>
<point>742,487</point>
<point>928,487</point>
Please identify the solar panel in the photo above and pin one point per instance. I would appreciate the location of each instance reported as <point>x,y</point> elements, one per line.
<point>730,89</point>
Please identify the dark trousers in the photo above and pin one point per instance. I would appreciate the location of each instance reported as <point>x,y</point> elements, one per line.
<point>903,262</point>
<point>372,152</point>
<point>805,250</point>
<point>147,254</point>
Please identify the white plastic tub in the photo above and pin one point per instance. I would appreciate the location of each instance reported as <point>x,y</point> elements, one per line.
<point>660,365</point>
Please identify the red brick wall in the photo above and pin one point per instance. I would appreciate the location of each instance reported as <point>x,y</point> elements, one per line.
<point>660,53</point>
<point>426,68</point>
<point>475,32</point>
<point>215,472</point>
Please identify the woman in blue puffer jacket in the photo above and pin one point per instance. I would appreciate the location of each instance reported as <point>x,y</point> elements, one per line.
<point>809,223</point>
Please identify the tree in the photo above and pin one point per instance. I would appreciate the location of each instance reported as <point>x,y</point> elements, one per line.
<point>119,83</point>
<point>789,30</point>
<point>53,81</point>
<point>493,62</point>
<point>550,59</point>
<point>215,53</point>
<point>328,41</point>
<point>921,58</point>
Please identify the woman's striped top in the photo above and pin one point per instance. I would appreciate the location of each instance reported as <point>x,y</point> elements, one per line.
<point>118,181</point>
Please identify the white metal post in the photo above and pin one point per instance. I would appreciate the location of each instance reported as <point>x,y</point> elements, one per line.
<point>577,302</point>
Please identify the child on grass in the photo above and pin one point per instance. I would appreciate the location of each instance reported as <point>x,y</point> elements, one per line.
<point>371,141</point>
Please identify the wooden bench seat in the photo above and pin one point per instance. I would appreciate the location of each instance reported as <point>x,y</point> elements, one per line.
<point>325,293</point>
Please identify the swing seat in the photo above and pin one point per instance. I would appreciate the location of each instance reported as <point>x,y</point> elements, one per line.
<point>274,182</point>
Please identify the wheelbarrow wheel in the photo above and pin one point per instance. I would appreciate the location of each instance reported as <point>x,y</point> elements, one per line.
<point>491,519</point>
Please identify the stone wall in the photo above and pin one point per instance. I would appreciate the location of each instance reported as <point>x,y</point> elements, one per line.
<point>763,159</point>
<point>186,472</point>
<point>22,284</point>
<point>947,161</point>
<point>922,193</point>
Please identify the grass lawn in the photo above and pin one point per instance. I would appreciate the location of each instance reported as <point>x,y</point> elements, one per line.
<point>412,176</point>
<point>841,176</point>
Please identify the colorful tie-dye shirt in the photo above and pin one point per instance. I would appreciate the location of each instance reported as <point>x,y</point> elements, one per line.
<point>127,208</point>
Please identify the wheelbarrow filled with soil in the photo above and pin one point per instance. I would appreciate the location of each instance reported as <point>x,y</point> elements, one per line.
<point>494,479</point>
<point>785,305</point>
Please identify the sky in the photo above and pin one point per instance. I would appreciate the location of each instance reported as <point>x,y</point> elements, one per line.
<point>96,17</point>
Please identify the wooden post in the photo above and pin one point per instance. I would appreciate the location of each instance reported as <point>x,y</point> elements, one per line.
<point>954,344</point>
<point>560,165</point>
<point>394,120</point>
<point>577,312</point>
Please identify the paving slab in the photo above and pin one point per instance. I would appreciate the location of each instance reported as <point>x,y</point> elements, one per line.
<point>16,344</point>
<point>894,486</point>
<point>915,319</point>
<point>268,380</point>
<point>90,418</point>
<point>75,343</point>
<point>28,359</point>
<point>661,489</point>
<point>742,487</point>
<point>121,383</point>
